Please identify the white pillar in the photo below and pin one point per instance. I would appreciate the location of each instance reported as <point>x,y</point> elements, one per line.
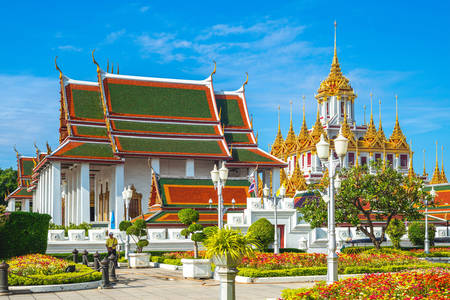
<point>50,191</point>
<point>34,200</point>
<point>11,204</point>
<point>84,193</point>
<point>26,205</point>
<point>56,207</point>
<point>74,195</point>
<point>190,168</point>
<point>69,197</point>
<point>78,198</point>
<point>275,179</point>
<point>118,189</point>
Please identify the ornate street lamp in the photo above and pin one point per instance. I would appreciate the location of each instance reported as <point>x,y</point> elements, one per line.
<point>427,240</point>
<point>326,158</point>
<point>219,178</point>
<point>127,194</point>
<point>275,200</point>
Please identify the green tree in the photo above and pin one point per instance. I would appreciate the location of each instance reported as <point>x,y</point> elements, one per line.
<point>395,231</point>
<point>263,231</point>
<point>8,183</point>
<point>190,217</point>
<point>366,197</point>
<point>416,233</point>
<point>137,231</point>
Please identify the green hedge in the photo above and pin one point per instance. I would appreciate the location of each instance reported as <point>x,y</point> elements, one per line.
<point>390,249</point>
<point>310,271</point>
<point>23,233</point>
<point>168,261</point>
<point>61,278</point>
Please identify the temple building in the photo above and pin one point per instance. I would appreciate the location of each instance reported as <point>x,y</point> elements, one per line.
<point>336,111</point>
<point>21,197</point>
<point>160,136</point>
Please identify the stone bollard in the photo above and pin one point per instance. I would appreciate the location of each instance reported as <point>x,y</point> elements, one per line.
<point>4,290</point>
<point>105,274</point>
<point>112,267</point>
<point>84,258</point>
<point>227,283</point>
<point>75,255</point>
<point>96,261</point>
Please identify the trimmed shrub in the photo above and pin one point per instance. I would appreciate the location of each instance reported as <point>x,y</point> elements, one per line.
<point>395,231</point>
<point>416,233</point>
<point>23,233</point>
<point>263,231</point>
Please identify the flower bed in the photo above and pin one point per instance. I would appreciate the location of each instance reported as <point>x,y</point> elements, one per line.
<point>424,284</point>
<point>39,269</point>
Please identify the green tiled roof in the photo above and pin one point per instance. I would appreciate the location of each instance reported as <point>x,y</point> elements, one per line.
<point>170,146</point>
<point>93,131</point>
<point>158,101</point>
<point>23,192</point>
<point>27,166</point>
<point>245,155</point>
<point>87,104</point>
<point>231,115</point>
<point>237,138</point>
<point>163,127</point>
<point>90,150</point>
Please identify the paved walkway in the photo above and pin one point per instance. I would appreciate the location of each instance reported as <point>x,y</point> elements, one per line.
<point>162,284</point>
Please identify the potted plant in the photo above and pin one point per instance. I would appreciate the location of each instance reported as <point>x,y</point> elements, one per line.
<point>227,247</point>
<point>137,231</point>
<point>194,268</point>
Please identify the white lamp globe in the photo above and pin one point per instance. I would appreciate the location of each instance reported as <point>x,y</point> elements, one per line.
<point>129,193</point>
<point>341,145</point>
<point>223,173</point>
<point>215,175</point>
<point>265,191</point>
<point>322,148</point>
<point>337,182</point>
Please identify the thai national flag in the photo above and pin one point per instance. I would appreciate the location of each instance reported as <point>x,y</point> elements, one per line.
<point>252,186</point>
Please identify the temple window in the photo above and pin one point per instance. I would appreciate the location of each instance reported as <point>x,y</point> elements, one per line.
<point>328,108</point>
<point>309,159</point>
<point>377,156</point>
<point>390,159</point>
<point>342,108</point>
<point>403,160</point>
<point>351,159</point>
<point>363,160</point>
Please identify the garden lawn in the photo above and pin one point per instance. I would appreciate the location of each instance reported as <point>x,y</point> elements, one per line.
<point>420,284</point>
<point>39,269</point>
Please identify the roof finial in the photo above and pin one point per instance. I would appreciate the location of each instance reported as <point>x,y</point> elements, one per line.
<point>257,137</point>
<point>279,127</point>
<point>57,68</point>
<point>49,150</point>
<point>246,81</point>
<point>290,104</point>
<point>15,150</point>
<point>335,59</point>
<point>112,68</point>
<point>117,68</point>
<point>437,164</point>
<point>214,71</point>
<point>396,108</point>
<point>107,65</point>
<point>379,105</point>
<point>251,121</point>
<point>95,62</point>
<point>443,177</point>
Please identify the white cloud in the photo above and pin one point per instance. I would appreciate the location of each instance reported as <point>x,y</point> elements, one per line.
<point>114,36</point>
<point>29,113</point>
<point>143,9</point>
<point>70,48</point>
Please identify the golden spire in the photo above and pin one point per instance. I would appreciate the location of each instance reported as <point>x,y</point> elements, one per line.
<point>437,174</point>
<point>278,147</point>
<point>296,182</point>
<point>345,130</point>
<point>303,136</point>
<point>411,173</point>
<point>443,177</point>
<point>424,174</point>
<point>397,138</point>
<point>283,176</point>
<point>317,130</point>
<point>335,84</point>
<point>380,132</point>
<point>371,133</point>
<point>290,138</point>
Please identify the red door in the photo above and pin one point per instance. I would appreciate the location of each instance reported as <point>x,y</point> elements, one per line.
<point>281,236</point>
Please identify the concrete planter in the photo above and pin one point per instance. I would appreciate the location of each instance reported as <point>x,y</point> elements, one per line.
<point>226,261</point>
<point>196,268</point>
<point>139,260</point>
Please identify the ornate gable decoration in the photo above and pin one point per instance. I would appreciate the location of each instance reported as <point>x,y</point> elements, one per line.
<point>317,131</point>
<point>296,182</point>
<point>303,136</point>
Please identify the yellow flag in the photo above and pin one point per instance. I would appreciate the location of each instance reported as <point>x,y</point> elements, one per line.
<point>279,189</point>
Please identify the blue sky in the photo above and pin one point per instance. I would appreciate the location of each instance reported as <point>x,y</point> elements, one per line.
<point>285,46</point>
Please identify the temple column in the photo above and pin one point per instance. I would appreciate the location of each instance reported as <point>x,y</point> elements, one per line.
<point>84,193</point>
<point>78,191</point>
<point>155,165</point>
<point>69,197</point>
<point>50,192</point>
<point>190,168</point>
<point>275,179</point>
<point>11,204</point>
<point>396,161</point>
<point>370,161</point>
<point>26,205</point>
<point>56,193</point>
<point>74,195</point>
<point>119,177</point>
<point>45,185</point>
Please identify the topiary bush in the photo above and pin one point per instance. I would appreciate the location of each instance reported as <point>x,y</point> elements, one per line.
<point>23,233</point>
<point>416,233</point>
<point>395,231</point>
<point>138,233</point>
<point>189,217</point>
<point>263,231</point>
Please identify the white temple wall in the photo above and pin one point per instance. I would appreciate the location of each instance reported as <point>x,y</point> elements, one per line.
<point>138,173</point>
<point>203,167</point>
